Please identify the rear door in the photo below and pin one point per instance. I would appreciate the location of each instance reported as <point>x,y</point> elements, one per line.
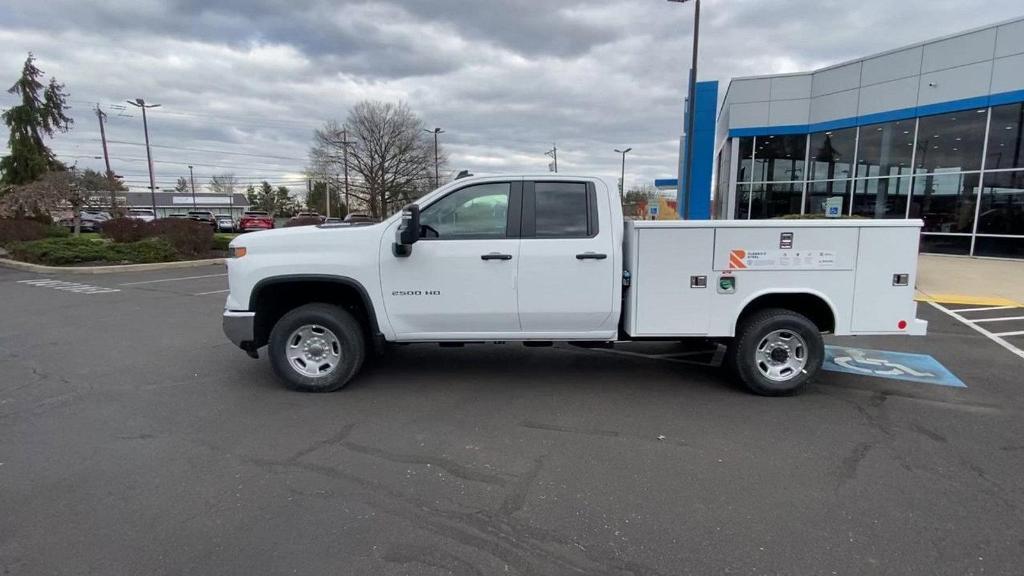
<point>566,259</point>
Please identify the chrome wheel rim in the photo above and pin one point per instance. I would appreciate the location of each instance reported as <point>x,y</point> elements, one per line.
<point>781,355</point>
<point>313,350</point>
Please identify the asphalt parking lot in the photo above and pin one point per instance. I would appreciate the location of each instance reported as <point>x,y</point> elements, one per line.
<point>134,439</point>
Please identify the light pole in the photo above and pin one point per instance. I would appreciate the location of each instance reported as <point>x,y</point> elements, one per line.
<point>435,132</point>
<point>192,179</point>
<point>622,180</point>
<point>688,160</point>
<point>140,103</point>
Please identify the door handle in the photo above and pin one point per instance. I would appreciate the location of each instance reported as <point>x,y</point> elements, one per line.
<point>591,256</point>
<point>496,256</point>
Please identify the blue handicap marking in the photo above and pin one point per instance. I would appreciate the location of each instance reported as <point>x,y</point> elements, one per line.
<point>893,365</point>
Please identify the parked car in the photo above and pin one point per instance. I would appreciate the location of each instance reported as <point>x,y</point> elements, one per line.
<point>204,216</point>
<point>355,218</point>
<point>305,219</point>
<point>100,215</point>
<point>144,214</point>
<point>225,223</point>
<point>90,221</point>
<point>255,220</point>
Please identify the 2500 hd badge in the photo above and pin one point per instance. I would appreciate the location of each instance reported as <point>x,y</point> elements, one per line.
<point>415,292</point>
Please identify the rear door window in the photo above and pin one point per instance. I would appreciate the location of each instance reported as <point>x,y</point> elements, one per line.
<point>561,210</point>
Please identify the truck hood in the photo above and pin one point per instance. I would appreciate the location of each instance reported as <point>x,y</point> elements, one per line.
<point>298,237</point>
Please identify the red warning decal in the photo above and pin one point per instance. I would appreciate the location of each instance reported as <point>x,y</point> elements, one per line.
<point>736,259</point>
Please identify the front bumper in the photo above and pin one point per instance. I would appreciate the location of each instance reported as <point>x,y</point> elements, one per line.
<point>239,328</point>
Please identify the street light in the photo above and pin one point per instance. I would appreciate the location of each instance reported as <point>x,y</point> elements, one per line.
<point>140,103</point>
<point>622,180</point>
<point>688,160</point>
<point>435,132</point>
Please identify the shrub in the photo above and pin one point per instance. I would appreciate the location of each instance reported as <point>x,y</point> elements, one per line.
<point>64,251</point>
<point>141,252</point>
<point>302,221</point>
<point>54,231</point>
<point>220,242</point>
<point>189,238</point>
<point>22,230</point>
<point>124,229</point>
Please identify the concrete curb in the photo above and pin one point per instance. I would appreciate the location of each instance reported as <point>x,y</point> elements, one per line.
<point>26,267</point>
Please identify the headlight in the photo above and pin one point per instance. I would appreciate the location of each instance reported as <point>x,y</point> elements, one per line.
<point>236,251</point>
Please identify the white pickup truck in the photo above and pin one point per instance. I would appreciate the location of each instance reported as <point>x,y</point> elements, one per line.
<point>548,258</point>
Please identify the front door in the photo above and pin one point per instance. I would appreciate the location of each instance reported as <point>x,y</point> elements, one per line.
<point>460,280</point>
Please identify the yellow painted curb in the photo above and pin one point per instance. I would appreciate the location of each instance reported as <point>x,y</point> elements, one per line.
<point>965,300</point>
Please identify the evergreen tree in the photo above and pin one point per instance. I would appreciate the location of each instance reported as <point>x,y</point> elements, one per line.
<point>41,113</point>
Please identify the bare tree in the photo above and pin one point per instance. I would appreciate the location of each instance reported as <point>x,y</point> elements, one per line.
<point>390,157</point>
<point>56,189</point>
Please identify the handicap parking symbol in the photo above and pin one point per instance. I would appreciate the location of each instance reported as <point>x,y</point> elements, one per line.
<point>892,365</point>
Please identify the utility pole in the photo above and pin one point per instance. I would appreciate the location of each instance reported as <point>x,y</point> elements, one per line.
<point>554,154</point>
<point>622,180</point>
<point>345,143</point>
<point>327,184</point>
<point>435,132</point>
<point>101,115</point>
<point>690,109</point>
<point>192,179</point>
<point>140,103</point>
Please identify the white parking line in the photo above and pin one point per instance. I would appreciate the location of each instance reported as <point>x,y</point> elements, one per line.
<point>173,279</point>
<point>990,335</point>
<point>1003,319</point>
<point>1017,333</point>
<point>982,309</point>
<point>211,292</point>
<point>75,287</point>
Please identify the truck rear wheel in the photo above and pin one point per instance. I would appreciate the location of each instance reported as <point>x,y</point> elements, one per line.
<point>316,348</point>
<point>776,352</point>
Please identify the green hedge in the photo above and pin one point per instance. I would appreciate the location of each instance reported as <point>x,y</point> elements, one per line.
<point>220,242</point>
<point>64,251</point>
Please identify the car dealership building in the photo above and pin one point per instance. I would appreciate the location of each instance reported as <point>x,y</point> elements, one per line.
<point>931,131</point>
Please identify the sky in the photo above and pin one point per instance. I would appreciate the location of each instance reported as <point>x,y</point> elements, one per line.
<point>243,83</point>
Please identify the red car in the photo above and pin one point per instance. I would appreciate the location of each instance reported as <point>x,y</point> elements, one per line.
<point>255,220</point>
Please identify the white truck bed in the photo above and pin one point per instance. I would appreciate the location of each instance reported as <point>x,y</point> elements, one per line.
<point>676,268</point>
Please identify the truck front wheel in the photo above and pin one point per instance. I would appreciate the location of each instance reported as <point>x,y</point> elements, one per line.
<point>776,352</point>
<point>316,348</point>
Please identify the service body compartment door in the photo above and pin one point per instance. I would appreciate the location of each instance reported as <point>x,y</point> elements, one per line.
<point>879,305</point>
<point>665,262</point>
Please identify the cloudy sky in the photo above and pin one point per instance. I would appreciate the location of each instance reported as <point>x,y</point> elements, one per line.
<point>243,83</point>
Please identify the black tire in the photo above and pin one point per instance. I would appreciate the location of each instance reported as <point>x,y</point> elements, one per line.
<point>742,357</point>
<point>341,323</point>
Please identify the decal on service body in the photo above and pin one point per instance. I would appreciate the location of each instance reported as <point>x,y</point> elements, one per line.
<point>784,259</point>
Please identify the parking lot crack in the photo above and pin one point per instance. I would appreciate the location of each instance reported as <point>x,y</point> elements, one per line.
<point>334,439</point>
<point>446,464</point>
<point>516,499</point>
<point>851,463</point>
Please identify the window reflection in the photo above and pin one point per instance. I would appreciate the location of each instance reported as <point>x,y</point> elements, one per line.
<point>746,154</point>
<point>832,154</point>
<point>780,158</point>
<point>881,197</point>
<point>777,200</point>
<point>885,149</point>
<point>945,201</point>
<point>1002,204</point>
<point>951,141</point>
<point>1005,149</point>
<point>819,192</point>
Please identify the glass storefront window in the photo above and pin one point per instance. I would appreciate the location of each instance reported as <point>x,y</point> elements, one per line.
<point>777,200</point>
<point>780,158</point>
<point>1005,148</point>
<point>945,201</point>
<point>1002,203</point>
<point>748,195</point>
<point>940,244</point>
<point>951,141</point>
<point>999,247</point>
<point>746,154</point>
<point>881,197</point>
<point>832,154</point>
<point>818,192</point>
<point>885,149</point>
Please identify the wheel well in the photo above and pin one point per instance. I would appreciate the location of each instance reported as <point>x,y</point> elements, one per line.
<point>273,299</point>
<point>810,305</point>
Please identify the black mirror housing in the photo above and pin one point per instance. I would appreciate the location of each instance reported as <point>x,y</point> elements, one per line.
<point>408,232</point>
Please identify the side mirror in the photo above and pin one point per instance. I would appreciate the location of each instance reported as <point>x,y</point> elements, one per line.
<point>408,231</point>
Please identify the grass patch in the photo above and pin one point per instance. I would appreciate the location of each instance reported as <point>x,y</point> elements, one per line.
<point>65,251</point>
